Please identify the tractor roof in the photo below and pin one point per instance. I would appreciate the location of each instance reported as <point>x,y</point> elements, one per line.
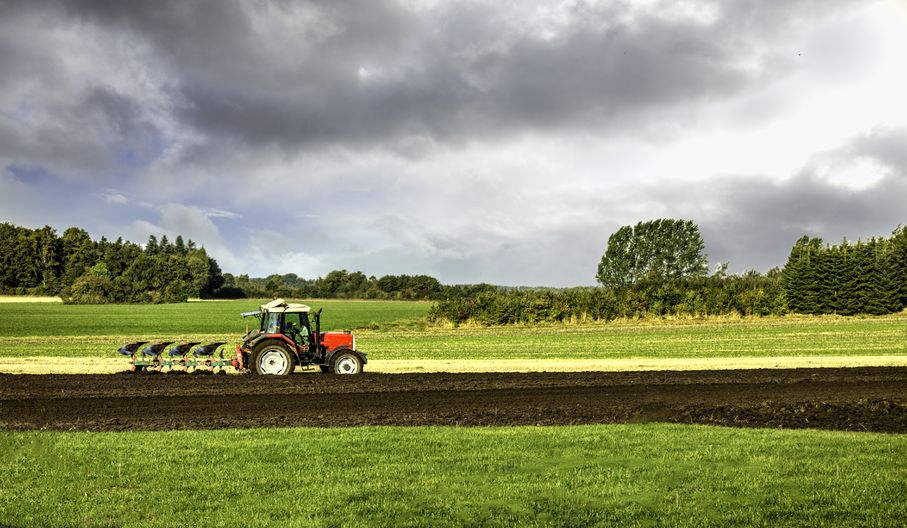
<point>279,305</point>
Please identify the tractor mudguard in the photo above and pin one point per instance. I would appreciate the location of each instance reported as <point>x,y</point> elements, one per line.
<point>331,353</point>
<point>261,337</point>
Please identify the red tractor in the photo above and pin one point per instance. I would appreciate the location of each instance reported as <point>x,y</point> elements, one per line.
<point>285,338</point>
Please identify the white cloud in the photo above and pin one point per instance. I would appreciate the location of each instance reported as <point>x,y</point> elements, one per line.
<point>112,196</point>
<point>213,212</point>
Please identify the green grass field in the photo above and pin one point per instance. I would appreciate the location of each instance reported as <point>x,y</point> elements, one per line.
<point>768,337</point>
<point>614,475</point>
<point>396,330</point>
<point>208,317</point>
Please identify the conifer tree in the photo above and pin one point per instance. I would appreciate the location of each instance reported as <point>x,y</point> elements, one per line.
<point>889,285</point>
<point>151,247</point>
<point>846,279</point>
<point>792,275</point>
<point>899,255</point>
<point>860,285</point>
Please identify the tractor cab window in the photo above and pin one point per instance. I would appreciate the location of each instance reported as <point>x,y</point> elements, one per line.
<point>295,325</point>
<point>271,323</point>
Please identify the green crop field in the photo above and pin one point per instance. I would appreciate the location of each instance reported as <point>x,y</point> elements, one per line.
<point>397,330</point>
<point>612,475</point>
<point>206,317</point>
<point>767,337</point>
<point>35,329</point>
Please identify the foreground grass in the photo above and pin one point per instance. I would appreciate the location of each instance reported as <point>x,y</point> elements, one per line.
<point>626,475</point>
<point>97,331</point>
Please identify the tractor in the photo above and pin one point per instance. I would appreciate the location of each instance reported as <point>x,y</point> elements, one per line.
<point>284,339</point>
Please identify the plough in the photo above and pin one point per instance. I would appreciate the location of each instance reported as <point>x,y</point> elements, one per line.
<point>149,356</point>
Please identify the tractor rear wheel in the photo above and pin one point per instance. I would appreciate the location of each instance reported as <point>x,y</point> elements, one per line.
<point>272,359</point>
<point>346,363</point>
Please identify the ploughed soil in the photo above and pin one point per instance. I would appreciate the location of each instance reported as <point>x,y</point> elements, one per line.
<point>856,399</point>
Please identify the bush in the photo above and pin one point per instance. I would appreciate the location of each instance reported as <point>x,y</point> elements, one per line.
<point>90,289</point>
<point>748,295</point>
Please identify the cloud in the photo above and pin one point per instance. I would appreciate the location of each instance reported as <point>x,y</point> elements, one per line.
<point>192,223</point>
<point>477,141</point>
<point>213,212</point>
<point>112,196</point>
<point>400,76</point>
<point>754,220</point>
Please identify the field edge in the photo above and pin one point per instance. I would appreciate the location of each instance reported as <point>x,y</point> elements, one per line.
<point>88,365</point>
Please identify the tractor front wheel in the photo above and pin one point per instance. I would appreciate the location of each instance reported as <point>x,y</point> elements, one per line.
<point>272,359</point>
<point>346,363</point>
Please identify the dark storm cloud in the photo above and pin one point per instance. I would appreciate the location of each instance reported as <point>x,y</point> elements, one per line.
<point>56,111</point>
<point>302,73</point>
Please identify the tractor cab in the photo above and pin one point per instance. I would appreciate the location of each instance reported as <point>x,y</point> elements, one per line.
<point>289,319</point>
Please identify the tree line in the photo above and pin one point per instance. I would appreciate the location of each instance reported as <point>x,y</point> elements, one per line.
<point>866,277</point>
<point>658,269</point>
<point>338,284</point>
<point>81,270</point>
<point>749,294</point>
<point>652,269</point>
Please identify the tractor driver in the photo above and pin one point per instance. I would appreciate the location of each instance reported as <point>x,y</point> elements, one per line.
<point>301,337</point>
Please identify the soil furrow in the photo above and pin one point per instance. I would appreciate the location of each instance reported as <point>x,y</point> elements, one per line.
<point>860,399</point>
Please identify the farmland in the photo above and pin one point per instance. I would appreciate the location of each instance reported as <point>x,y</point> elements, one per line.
<point>206,317</point>
<point>363,462</point>
<point>858,399</point>
<point>397,331</point>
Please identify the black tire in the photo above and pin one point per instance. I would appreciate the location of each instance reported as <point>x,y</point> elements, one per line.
<point>324,368</point>
<point>346,362</point>
<point>272,358</point>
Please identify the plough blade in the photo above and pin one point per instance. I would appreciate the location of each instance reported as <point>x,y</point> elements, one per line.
<point>185,356</point>
<point>129,349</point>
<point>154,349</point>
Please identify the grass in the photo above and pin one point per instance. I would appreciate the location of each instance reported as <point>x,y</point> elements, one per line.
<point>765,337</point>
<point>606,475</point>
<point>396,331</point>
<point>216,317</point>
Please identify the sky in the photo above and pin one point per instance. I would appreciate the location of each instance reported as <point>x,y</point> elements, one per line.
<point>498,141</point>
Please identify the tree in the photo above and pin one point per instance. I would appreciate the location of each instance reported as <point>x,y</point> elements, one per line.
<point>94,287</point>
<point>151,247</point>
<point>661,250</point>
<point>48,254</point>
<point>78,253</point>
<point>899,258</point>
<point>9,256</point>
<point>179,246</point>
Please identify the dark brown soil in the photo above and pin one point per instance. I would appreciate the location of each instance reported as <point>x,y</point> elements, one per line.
<point>858,399</point>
